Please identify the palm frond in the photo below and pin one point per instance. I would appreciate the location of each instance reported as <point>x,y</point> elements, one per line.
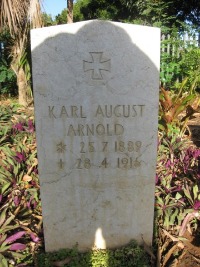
<point>18,14</point>
<point>35,14</point>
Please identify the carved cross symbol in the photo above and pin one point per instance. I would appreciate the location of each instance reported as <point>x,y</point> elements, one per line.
<point>97,65</point>
<point>61,164</point>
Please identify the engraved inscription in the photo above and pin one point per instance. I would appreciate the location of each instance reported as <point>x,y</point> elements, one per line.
<point>125,111</point>
<point>100,111</point>
<point>92,130</point>
<point>61,164</point>
<point>97,65</point>
<point>83,164</point>
<point>130,146</point>
<point>61,147</point>
<point>90,147</point>
<point>104,163</point>
<point>66,112</point>
<point>126,155</point>
<point>105,146</point>
<point>128,163</point>
<point>116,146</point>
<point>124,163</point>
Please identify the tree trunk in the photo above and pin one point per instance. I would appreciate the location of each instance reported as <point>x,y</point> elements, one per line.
<point>22,87</point>
<point>69,11</point>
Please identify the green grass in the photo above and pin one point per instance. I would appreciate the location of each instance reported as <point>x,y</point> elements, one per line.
<point>131,255</point>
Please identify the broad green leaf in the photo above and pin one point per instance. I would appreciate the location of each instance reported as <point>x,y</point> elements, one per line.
<point>17,255</point>
<point>188,98</point>
<point>195,191</point>
<point>186,192</point>
<point>5,187</point>
<point>3,238</point>
<point>16,169</point>
<point>159,200</point>
<point>166,220</point>
<point>167,198</point>
<point>5,177</point>
<point>3,247</point>
<point>173,217</point>
<point>6,150</point>
<point>158,212</point>
<point>8,228</point>
<point>12,216</point>
<point>9,160</point>
<point>3,216</point>
<point>3,261</point>
<point>178,196</point>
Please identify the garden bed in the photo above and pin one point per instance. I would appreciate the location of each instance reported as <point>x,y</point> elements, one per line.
<point>177,227</point>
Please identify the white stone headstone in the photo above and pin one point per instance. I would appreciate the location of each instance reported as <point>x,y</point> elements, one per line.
<point>96,107</point>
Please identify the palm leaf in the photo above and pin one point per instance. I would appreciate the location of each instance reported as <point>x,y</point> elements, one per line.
<point>18,14</point>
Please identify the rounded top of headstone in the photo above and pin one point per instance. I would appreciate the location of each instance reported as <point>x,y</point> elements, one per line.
<point>95,53</point>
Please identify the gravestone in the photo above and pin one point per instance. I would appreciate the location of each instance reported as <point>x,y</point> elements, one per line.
<point>96,107</point>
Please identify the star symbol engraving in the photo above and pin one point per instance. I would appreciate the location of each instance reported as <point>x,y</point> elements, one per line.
<point>61,147</point>
<point>97,65</point>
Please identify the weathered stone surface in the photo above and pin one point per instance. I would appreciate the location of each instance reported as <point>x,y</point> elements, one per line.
<point>96,104</point>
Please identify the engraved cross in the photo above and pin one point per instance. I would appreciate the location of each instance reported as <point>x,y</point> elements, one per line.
<point>97,65</point>
<point>61,164</point>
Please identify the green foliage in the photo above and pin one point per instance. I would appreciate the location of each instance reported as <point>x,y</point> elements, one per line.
<point>78,6</point>
<point>24,63</point>
<point>164,14</point>
<point>170,68</point>
<point>155,13</point>
<point>167,11</point>
<point>95,9</point>
<point>177,188</point>
<point>128,256</point>
<point>7,79</point>
<point>48,20</point>
<point>144,12</point>
<point>62,18</point>
<point>190,66</point>
<point>19,189</point>
<point>8,246</point>
<point>172,105</point>
<point>179,57</point>
<point>187,12</point>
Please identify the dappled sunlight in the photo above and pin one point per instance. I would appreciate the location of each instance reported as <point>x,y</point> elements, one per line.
<point>99,241</point>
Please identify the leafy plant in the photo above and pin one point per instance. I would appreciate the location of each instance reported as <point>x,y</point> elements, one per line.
<point>19,187</point>
<point>172,106</point>
<point>177,195</point>
<point>190,67</point>
<point>128,256</point>
<point>7,112</point>
<point>7,79</point>
<point>179,57</point>
<point>8,246</point>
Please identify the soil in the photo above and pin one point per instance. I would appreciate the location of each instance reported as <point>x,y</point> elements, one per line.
<point>191,254</point>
